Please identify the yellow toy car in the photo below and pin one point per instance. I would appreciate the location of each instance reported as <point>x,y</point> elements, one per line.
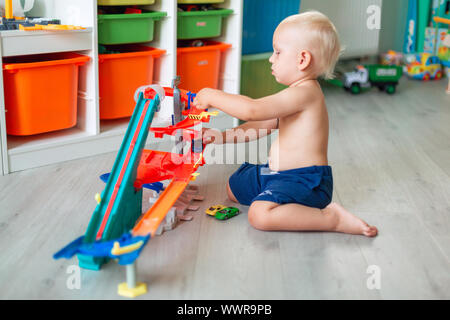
<point>214,209</point>
<point>425,67</point>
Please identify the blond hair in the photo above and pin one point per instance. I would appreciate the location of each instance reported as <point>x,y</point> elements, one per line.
<point>324,38</point>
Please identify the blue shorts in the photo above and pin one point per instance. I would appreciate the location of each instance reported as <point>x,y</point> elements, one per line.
<point>310,186</point>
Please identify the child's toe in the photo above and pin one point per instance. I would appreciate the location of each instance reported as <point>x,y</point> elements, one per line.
<point>370,231</point>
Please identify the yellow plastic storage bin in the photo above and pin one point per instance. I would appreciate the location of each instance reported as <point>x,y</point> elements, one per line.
<point>124,2</point>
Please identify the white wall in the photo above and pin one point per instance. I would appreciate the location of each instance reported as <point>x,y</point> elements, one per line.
<point>350,19</point>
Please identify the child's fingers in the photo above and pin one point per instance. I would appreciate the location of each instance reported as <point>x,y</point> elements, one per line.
<point>208,140</point>
<point>206,136</point>
<point>197,104</point>
<point>211,136</point>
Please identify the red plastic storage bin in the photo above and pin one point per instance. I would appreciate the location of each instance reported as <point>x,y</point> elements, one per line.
<point>41,92</point>
<point>120,74</point>
<point>198,67</point>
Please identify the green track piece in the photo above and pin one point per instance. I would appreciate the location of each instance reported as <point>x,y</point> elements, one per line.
<point>127,206</point>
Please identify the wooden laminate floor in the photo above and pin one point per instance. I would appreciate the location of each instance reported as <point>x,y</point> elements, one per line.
<point>391,164</point>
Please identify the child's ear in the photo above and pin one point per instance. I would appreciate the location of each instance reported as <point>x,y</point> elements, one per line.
<point>303,60</point>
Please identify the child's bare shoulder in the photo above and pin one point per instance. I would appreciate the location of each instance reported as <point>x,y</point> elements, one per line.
<point>311,86</point>
<point>309,92</point>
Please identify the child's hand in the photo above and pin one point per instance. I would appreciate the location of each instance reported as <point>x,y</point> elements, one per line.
<point>211,136</point>
<point>201,100</point>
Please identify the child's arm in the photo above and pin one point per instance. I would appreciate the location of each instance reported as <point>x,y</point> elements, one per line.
<point>246,132</point>
<point>249,131</point>
<point>281,104</point>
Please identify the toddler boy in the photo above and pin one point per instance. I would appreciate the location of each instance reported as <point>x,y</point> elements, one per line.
<point>293,190</point>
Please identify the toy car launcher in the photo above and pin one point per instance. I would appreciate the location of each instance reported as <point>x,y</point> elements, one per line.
<point>118,228</point>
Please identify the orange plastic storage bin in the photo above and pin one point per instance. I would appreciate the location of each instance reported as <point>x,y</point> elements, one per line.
<point>198,67</point>
<point>41,92</point>
<point>120,74</point>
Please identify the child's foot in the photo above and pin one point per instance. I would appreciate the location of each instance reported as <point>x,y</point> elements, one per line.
<point>348,223</point>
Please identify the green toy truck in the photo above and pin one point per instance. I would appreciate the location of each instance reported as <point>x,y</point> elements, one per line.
<point>375,75</point>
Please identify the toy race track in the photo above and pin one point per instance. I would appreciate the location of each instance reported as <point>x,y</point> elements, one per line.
<point>113,231</point>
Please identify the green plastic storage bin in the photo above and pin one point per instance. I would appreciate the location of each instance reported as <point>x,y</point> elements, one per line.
<point>127,28</point>
<point>199,1</point>
<point>124,2</point>
<point>201,24</point>
<point>256,76</point>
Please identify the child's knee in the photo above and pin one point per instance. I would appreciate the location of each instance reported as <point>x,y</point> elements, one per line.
<point>258,216</point>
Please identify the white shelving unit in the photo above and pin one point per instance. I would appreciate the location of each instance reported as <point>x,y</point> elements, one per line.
<point>92,136</point>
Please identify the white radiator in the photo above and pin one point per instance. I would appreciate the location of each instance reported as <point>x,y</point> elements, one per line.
<point>350,18</point>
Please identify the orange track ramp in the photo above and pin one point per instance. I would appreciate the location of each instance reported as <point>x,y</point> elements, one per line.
<point>153,217</point>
